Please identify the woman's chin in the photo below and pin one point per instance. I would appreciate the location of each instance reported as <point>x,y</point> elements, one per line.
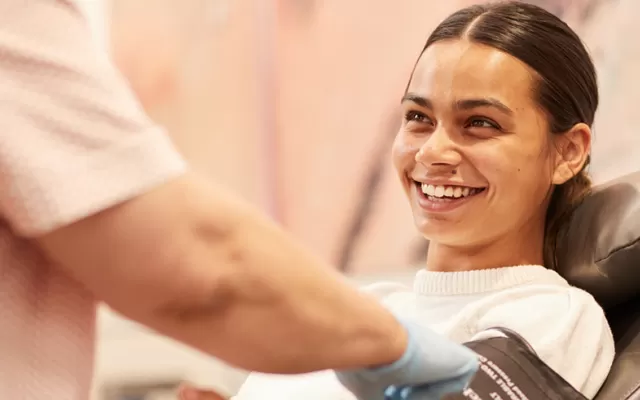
<point>449,232</point>
<point>438,229</point>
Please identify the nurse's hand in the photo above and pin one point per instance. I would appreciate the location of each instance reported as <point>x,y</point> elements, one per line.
<point>191,393</point>
<point>431,367</point>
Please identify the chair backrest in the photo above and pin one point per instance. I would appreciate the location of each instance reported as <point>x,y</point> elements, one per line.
<point>601,254</point>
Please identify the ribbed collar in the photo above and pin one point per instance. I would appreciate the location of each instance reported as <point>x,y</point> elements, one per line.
<point>481,281</point>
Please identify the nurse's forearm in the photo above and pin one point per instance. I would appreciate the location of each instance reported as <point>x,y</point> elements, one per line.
<point>271,306</point>
<point>197,265</point>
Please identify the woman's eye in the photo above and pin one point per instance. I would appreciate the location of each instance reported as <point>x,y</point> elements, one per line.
<point>482,123</point>
<point>415,116</point>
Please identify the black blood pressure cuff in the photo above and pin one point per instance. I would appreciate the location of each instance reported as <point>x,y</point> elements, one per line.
<point>511,370</point>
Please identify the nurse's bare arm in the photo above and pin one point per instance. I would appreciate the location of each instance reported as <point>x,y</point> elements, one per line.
<point>196,264</point>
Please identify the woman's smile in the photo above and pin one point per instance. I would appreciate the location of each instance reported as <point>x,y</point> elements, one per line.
<point>444,198</point>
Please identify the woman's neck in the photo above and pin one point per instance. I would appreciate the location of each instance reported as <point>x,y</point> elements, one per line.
<point>509,251</point>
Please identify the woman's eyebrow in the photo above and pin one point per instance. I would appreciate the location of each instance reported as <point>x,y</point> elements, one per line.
<point>468,104</point>
<point>419,100</point>
<point>465,104</point>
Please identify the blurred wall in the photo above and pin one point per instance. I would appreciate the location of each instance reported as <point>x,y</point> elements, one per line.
<point>195,66</point>
<point>342,67</point>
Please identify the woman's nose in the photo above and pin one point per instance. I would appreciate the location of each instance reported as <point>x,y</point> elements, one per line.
<point>438,149</point>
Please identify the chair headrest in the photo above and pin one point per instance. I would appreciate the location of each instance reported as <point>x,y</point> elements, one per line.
<point>601,251</point>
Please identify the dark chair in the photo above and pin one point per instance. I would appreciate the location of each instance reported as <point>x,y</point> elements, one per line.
<point>601,254</point>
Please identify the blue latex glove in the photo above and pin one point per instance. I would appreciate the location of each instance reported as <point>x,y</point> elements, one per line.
<point>434,391</point>
<point>431,367</point>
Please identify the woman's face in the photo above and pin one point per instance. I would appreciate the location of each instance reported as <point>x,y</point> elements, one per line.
<point>474,154</point>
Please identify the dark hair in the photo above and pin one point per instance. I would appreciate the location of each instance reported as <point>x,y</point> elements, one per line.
<point>566,88</point>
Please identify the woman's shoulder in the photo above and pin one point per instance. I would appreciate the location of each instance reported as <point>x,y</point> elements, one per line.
<point>565,325</point>
<point>542,301</point>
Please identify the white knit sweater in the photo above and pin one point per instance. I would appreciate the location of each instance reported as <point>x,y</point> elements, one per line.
<point>565,325</point>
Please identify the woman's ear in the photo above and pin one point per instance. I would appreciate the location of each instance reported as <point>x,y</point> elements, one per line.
<point>572,151</point>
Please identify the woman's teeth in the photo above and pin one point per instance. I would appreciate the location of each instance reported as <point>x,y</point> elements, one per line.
<point>440,191</point>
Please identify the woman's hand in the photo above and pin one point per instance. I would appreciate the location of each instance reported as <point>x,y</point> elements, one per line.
<point>190,393</point>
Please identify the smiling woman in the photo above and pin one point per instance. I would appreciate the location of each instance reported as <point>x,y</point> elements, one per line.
<point>464,97</point>
<point>491,154</point>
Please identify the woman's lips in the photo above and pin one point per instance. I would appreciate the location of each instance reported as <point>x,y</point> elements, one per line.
<point>444,198</point>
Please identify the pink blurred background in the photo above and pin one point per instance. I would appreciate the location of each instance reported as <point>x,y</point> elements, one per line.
<point>293,104</point>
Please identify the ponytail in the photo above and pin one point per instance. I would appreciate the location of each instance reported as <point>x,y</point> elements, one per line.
<point>564,200</point>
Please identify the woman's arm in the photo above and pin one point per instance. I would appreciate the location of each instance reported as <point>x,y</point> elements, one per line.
<point>565,326</point>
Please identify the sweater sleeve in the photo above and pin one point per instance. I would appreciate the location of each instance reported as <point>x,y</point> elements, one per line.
<point>567,329</point>
<point>74,139</point>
